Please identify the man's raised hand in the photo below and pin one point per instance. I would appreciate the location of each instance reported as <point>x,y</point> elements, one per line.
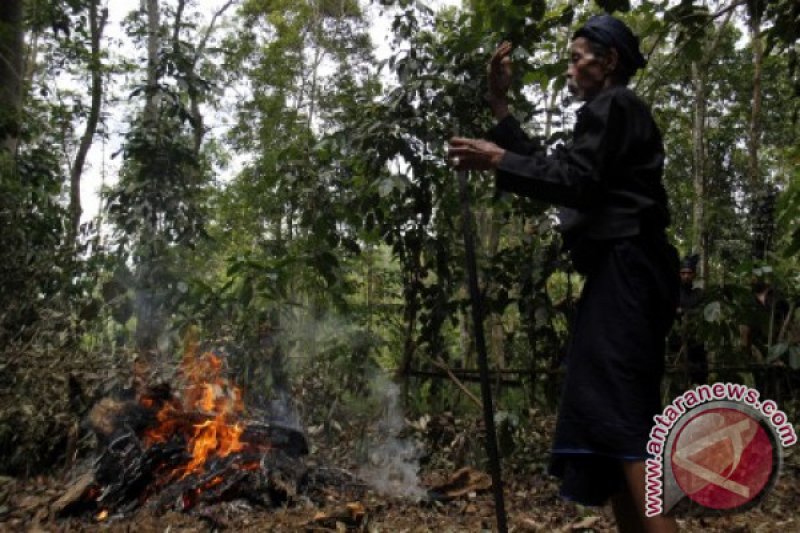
<point>499,71</point>
<point>474,154</point>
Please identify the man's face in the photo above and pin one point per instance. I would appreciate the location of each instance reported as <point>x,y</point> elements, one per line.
<point>587,74</point>
<point>687,276</point>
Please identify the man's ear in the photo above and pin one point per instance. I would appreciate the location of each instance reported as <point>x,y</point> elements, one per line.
<point>612,60</point>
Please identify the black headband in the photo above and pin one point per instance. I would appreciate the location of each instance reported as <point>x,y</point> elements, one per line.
<point>690,262</point>
<point>612,32</point>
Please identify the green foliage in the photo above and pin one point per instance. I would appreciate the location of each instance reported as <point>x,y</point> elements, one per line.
<point>786,17</point>
<point>158,206</point>
<point>283,237</point>
<point>33,224</point>
<point>788,217</point>
<point>159,197</point>
<point>410,200</point>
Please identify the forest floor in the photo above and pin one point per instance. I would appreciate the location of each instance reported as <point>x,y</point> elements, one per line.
<point>532,500</point>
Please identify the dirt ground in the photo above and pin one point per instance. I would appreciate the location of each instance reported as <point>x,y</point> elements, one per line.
<point>532,505</point>
<point>532,501</point>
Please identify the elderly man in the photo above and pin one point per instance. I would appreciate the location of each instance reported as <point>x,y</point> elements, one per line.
<point>608,181</point>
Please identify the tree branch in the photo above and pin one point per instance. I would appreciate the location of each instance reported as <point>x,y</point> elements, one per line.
<point>97,23</point>
<point>728,10</point>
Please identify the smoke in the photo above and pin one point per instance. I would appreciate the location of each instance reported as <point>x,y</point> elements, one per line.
<point>283,410</point>
<point>393,461</point>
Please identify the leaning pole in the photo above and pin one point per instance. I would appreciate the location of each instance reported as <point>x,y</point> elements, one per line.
<point>480,344</point>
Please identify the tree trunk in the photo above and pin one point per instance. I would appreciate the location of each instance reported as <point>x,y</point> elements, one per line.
<point>759,244</point>
<point>198,128</point>
<point>755,114</point>
<point>97,22</point>
<point>411,285</point>
<point>699,72</point>
<point>11,65</point>
<point>698,166</point>
<point>148,324</point>
<point>153,44</point>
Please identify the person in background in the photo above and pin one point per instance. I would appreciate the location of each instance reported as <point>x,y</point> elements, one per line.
<point>608,181</point>
<point>767,315</point>
<point>689,316</point>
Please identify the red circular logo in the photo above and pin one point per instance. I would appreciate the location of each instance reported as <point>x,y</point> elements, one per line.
<point>722,458</point>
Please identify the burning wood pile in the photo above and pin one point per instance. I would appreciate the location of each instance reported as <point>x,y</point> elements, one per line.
<point>183,449</point>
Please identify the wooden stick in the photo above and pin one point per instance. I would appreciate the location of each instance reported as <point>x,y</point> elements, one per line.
<point>441,364</point>
<point>483,362</point>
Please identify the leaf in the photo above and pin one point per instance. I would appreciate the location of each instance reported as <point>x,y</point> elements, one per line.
<point>587,523</point>
<point>776,351</point>
<point>541,317</point>
<point>246,295</point>
<point>535,76</point>
<point>122,311</point>
<point>614,5</point>
<point>538,9</point>
<point>111,290</point>
<point>713,312</point>
<point>693,50</point>
<point>794,357</point>
<point>386,187</point>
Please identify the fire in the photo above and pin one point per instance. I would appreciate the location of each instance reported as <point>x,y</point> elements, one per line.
<point>186,442</point>
<point>213,437</point>
<point>205,414</point>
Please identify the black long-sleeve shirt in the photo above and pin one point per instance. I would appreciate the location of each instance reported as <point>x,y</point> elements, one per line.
<point>608,178</point>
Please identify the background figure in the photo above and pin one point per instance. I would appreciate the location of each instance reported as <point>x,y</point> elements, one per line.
<point>767,314</point>
<point>689,309</point>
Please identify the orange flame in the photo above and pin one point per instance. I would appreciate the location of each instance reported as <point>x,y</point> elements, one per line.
<point>209,396</point>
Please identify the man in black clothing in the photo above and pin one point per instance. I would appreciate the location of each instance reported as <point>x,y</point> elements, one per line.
<point>689,316</point>
<point>614,212</point>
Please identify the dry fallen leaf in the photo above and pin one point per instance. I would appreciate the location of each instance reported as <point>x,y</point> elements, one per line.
<point>470,508</point>
<point>586,523</point>
<point>29,502</point>
<point>73,493</point>
<point>529,524</point>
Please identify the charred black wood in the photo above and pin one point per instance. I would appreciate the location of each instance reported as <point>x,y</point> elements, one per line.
<point>132,471</point>
<point>266,481</point>
<point>128,473</point>
<point>222,516</point>
<point>288,439</point>
<point>261,435</point>
<point>184,495</point>
<point>284,471</point>
<point>110,416</point>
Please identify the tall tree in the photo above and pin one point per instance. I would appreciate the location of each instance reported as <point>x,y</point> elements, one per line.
<point>755,11</point>
<point>11,75</point>
<point>159,205</point>
<point>699,69</point>
<point>152,92</point>
<point>97,22</point>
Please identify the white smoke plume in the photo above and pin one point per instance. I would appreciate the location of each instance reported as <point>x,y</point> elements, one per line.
<point>393,461</point>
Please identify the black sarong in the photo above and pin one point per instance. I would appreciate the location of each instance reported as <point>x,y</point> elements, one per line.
<point>615,363</point>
